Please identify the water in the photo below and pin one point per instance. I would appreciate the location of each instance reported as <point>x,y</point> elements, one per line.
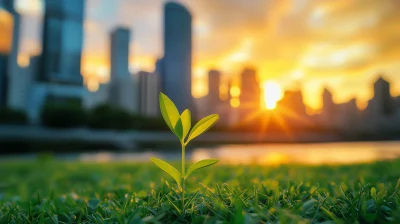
<point>315,153</point>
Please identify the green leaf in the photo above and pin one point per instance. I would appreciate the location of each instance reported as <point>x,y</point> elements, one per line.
<point>172,171</point>
<point>178,129</point>
<point>168,111</point>
<point>200,164</point>
<point>186,122</point>
<point>202,126</point>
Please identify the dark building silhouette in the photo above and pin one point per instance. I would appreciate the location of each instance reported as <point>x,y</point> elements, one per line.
<point>250,97</point>
<point>214,82</point>
<point>292,102</point>
<point>62,42</point>
<point>9,68</point>
<point>328,106</point>
<point>3,80</point>
<point>383,98</point>
<point>176,76</point>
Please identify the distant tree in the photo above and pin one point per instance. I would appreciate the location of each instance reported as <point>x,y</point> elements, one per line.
<point>108,117</point>
<point>12,116</point>
<point>149,123</point>
<point>63,115</point>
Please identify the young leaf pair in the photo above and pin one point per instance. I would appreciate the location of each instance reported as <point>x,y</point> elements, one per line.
<point>180,125</point>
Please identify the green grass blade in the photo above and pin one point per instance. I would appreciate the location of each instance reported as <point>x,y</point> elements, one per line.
<point>202,126</point>
<point>186,122</point>
<point>200,164</point>
<point>172,171</point>
<point>168,111</point>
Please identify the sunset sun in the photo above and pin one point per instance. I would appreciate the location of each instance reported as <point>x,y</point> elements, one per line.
<point>272,93</point>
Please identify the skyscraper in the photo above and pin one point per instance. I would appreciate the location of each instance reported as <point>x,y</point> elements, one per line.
<point>6,30</point>
<point>382,96</point>
<point>62,42</point>
<point>214,82</point>
<point>59,76</point>
<point>12,38</point>
<point>119,57</point>
<point>123,90</point>
<point>149,88</point>
<point>177,62</point>
<point>328,105</point>
<point>250,97</point>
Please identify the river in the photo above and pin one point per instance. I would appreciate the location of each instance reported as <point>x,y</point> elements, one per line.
<point>270,154</point>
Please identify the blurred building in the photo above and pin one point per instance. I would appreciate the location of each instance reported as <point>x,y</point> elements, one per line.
<point>328,114</point>
<point>59,76</point>
<point>123,87</point>
<point>10,25</point>
<point>177,62</point>
<point>149,89</point>
<point>119,58</point>
<point>62,42</point>
<point>97,98</point>
<point>381,111</point>
<point>250,96</point>
<point>3,80</point>
<point>159,69</point>
<point>214,82</point>
<point>347,118</point>
<point>293,110</point>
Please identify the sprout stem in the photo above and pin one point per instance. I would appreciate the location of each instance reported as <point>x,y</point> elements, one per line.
<point>183,178</point>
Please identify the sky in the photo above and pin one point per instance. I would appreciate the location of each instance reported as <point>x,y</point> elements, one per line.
<point>307,44</point>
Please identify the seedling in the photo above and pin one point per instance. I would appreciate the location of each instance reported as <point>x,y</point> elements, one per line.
<point>180,125</point>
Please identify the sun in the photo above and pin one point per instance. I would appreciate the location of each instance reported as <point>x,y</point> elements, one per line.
<point>272,93</point>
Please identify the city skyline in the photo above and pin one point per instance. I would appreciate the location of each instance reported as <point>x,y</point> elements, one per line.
<point>346,60</point>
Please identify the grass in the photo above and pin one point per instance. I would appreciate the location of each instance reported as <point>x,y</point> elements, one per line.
<point>48,191</point>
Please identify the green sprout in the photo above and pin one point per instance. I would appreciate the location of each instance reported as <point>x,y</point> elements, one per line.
<point>180,125</point>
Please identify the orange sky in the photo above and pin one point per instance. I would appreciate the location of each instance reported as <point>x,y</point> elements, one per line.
<point>341,44</point>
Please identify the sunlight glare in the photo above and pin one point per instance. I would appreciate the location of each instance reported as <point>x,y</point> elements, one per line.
<point>272,93</point>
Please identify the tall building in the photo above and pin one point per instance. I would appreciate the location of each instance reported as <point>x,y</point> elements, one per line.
<point>3,80</point>
<point>10,20</point>
<point>149,88</point>
<point>123,87</point>
<point>59,74</point>
<point>97,98</point>
<point>383,98</point>
<point>250,97</point>
<point>327,102</point>
<point>119,59</point>
<point>62,42</point>
<point>214,82</point>
<point>177,62</point>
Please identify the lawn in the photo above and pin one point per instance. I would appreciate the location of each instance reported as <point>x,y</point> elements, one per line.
<point>48,191</point>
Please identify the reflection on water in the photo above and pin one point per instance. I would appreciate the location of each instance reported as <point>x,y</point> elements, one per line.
<point>322,153</point>
<point>272,154</point>
<point>268,154</point>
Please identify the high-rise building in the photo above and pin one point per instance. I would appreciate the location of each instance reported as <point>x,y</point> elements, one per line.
<point>292,102</point>
<point>10,20</point>
<point>119,57</point>
<point>149,89</point>
<point>3,80</point>
<point>123,87</point>
<point>384,100</point>
<point>177,63</point>
<point>250,96</point>
<point>62,42</point>
<point>59,76</point>
<point>214,82</point>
